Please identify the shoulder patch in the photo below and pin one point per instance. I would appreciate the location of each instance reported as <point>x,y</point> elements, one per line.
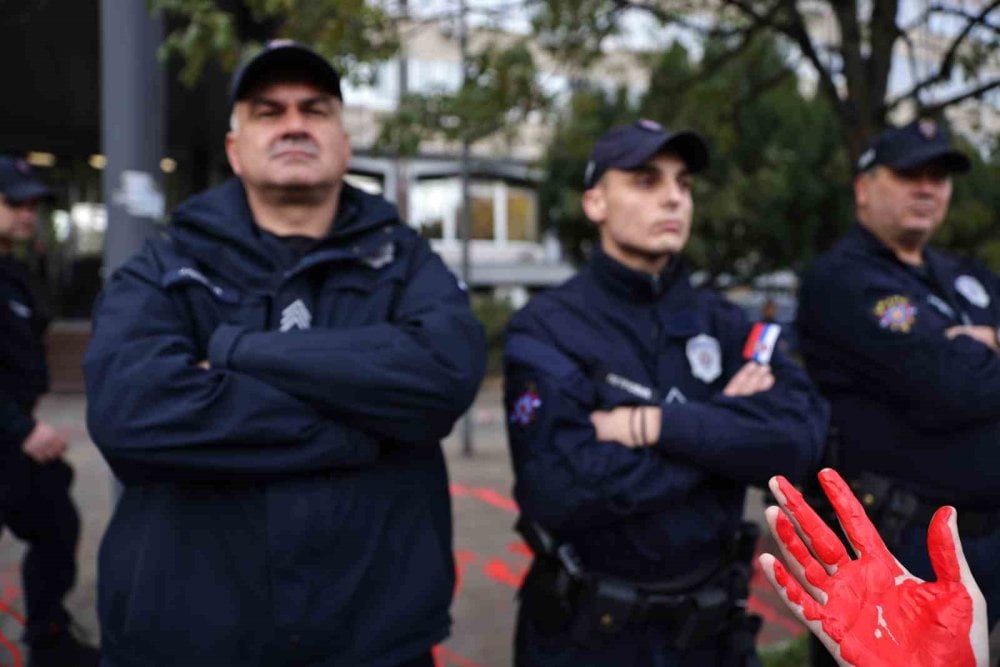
<point>526,406</point>
<point>972,290</point>
<point>895,313</point>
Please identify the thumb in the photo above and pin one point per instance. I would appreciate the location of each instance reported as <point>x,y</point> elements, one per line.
<point>945,547</point>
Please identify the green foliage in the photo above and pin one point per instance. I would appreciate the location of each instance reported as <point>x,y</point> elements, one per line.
<point>499,91</point>
<point>494,314</point>
<point>352,33</point>
<point>972,226</point>
<point>793,654</point>
<point>779,181</point>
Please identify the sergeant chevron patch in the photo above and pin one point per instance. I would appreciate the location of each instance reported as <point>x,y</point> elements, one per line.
<point>295,316</point>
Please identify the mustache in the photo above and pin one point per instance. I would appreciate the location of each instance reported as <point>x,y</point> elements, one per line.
<point>302,144</point>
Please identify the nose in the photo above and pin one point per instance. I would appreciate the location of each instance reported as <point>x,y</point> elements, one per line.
<point>294,121</point>
<point>670,193</point>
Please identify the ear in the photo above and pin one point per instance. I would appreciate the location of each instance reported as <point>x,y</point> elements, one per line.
<point>861,184</point>
<point>595,205</point>
<point>232,155</point>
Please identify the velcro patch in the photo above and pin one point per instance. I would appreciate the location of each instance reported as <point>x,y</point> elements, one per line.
<point>526,407</point>
<point>895,313</point>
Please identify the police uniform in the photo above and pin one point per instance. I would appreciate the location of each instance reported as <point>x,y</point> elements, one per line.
<point>290,504</point>
<point>652,533</point>
<point>918,414</point>
<point>35,503</point>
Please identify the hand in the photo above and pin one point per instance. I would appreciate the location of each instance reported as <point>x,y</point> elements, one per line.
<point>871,612</point>
<point>625,426</point>
<point>751,379</point>
<point>44,444</point>
<point>979,332</point>
<point>204,364</point>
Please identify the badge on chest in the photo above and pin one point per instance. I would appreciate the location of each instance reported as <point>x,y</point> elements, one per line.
<point>705,357</point>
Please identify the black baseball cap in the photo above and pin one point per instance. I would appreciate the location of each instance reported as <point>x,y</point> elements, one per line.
<point>913,145</point>
<point>631,146</point>
<point>281,57</point>
<point>18,182</point>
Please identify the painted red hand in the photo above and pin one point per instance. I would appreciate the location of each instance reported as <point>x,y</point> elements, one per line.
<point>869,611</point>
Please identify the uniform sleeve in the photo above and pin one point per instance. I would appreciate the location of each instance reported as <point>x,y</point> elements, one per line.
<point>889,347</point>
<point>154,413</point>
<point>752,438</point>
<point>408,379</point>
<point>15,426</point>
<point>566,478</point>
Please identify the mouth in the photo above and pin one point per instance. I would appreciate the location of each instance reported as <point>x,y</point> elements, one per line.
<point>669,226</point>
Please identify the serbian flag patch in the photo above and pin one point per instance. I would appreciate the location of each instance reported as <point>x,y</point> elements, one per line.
<point>761,341</point>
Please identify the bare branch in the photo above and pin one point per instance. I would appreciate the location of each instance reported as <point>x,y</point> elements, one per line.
<point>979,90</point>
<point>948,60</point>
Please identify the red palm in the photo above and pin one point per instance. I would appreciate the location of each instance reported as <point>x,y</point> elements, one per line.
<point>869,611</point>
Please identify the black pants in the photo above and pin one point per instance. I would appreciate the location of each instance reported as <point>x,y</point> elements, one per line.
<point>36,507</point>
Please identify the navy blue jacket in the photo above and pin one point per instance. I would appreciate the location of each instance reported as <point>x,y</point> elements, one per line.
<point>909,403</point>
<point>290,505</point>
<point>24,376</point>
<point>609,337</point>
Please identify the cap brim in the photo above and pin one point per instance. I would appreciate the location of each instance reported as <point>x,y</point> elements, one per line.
<point>291,58</point>
<point>689,146</point>
<point>27,191</point>
<point>952,160</point>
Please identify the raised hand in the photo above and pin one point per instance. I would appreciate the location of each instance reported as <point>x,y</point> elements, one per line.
<point>869,611</point>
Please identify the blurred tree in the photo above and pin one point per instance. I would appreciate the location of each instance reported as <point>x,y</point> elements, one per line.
<point>354,34</point>
<point>951,46</point>
<point>777,186</point>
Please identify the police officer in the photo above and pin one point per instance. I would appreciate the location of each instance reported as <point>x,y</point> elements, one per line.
<point>271,381</point>
<point>902,339</point>
<point>636,422</point>
<point>34,479</point>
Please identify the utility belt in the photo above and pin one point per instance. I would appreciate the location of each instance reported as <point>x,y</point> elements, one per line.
<point>894,509</point>
<point>560,595</point>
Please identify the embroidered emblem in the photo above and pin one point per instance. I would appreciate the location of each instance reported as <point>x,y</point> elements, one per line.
<point>928,128</point>
<point>675,396</point>
<point>896,313</point>
<point>760,343</point>
<point>295,316</point>
<point>705,357</point>
<point>972,290</point>
<point>525,407</point>
<point>381,256</point>
<point>20,309</point>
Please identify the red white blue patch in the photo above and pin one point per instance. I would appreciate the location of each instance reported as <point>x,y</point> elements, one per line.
<point>896,313</point>
<point>761,341</point>
<point>525,407</point>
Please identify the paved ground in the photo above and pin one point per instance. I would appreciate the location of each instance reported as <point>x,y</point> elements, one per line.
<point>491,559</point>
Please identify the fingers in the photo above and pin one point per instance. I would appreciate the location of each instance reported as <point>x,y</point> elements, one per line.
<point>809,572</point>
<point>823,541</point>
<point>951,332</point>
<point>752,378</point>
<point>796,598</point>
<point>853,519</point>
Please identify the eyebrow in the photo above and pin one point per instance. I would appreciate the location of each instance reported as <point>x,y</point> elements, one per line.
<point>650,168</point>
<point>261,100</point>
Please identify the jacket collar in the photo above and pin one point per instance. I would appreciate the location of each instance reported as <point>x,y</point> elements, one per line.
<point>634,285</point>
